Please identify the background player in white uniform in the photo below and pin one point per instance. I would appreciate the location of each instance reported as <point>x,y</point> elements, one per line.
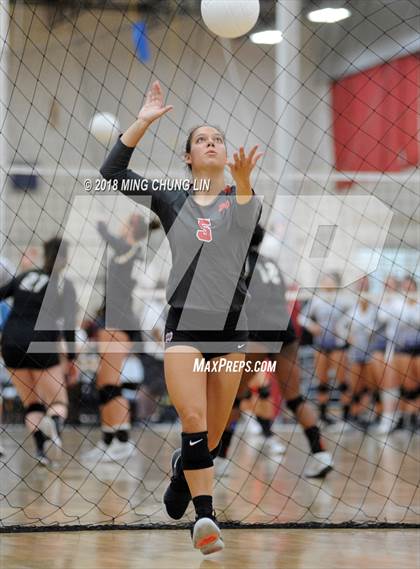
<point>385,395</point>
<point>359,327</point>
<point>407,353</point>
<point>320,317</point>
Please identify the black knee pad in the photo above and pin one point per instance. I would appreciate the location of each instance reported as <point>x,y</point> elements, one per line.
<point>293,404</point>
<point>377,396</point>
<point>35,408</point>
<point>109,392</point>
<point>264,392</point>
<point>215,452</point>
<point>323,388</point>
<point>411,394</point>
<point>195,454</point>
<point>343,388</point>
<point>247,395</point>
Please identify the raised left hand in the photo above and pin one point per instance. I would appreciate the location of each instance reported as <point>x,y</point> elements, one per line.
<point>242,165</point>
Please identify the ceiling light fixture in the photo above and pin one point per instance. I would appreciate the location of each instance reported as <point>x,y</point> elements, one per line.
<point>269,37</point>
<point>328,15</point>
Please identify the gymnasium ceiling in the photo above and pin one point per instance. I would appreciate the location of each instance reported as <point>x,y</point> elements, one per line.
<point>377,31</point>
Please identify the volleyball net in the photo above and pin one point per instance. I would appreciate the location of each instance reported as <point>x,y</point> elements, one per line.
<point>335,111</point>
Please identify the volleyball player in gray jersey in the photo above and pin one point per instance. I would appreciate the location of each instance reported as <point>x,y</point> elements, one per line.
<point>406,359</point>
<point>320,318</point>
<point>209,234</point>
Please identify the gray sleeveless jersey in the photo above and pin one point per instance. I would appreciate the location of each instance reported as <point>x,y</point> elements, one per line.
<point>209,243</point>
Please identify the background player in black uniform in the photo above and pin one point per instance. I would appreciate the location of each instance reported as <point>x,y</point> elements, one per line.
<point>270,324</point>
<point>117,323</point>
<point>39,378</point>
<point>213,229</point>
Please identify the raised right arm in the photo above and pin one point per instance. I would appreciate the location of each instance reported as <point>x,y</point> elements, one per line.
<point>115,166</point>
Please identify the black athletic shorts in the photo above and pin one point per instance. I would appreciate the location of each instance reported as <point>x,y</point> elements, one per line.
<point>222,342</point>
<point>408,350</point>
<point>328,351</point>
<point>134,335</point>
<point>16,357</point>
<point>287,336</point>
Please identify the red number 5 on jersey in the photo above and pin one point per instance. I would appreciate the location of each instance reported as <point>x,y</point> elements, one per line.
<point>204,233</point>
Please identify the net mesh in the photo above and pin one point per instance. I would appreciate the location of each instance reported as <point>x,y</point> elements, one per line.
<point>60,64</point>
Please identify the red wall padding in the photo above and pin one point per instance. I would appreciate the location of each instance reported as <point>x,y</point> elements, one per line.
<point>376,117</point>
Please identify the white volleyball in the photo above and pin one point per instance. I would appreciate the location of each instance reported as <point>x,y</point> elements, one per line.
<point>104,127</point>
<point>230,18</point>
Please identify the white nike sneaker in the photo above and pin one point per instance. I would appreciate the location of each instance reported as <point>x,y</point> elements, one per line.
<point>221,467</point>
<point>42,458</point>
<point>270,445</point>
<point>213,547</point>
<point>206,536</point>
<point>115,452</point>
<point>340,427</point>
<point>53,446</point>
<point>118,451</point>
<point>251,426</point>
<point>95,454</point>
<point>319,464</point>
<point>384,426</point>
